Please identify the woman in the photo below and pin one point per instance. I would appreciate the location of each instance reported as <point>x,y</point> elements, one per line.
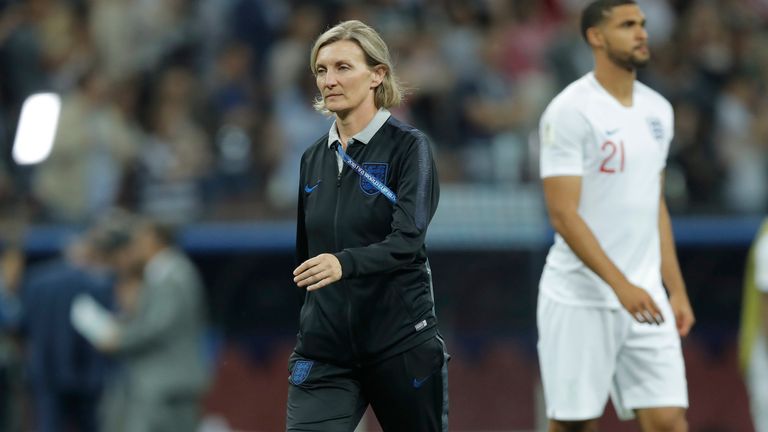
<point>368,189</point>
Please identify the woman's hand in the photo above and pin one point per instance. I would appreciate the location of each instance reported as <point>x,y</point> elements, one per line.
<point>318,272</point>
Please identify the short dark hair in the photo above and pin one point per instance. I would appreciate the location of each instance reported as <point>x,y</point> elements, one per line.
<point>111,231</point>
<point>596,11</point>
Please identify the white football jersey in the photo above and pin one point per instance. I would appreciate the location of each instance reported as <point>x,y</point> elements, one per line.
<point>620,153</point>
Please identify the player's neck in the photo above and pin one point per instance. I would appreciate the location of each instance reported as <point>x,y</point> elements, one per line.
<point>350,123</point>
<point>617,81</point>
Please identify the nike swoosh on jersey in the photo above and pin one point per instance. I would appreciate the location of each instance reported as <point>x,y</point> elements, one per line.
<point>611,132</point>
<point>418,382</point>
<point>308,189</point>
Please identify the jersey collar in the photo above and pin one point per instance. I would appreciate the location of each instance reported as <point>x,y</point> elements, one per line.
<point>365,135</point>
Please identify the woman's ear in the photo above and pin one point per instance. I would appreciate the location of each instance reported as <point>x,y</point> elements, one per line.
<point>378,73</point>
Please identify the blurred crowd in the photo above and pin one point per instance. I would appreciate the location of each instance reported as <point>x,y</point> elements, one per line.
<point>195,109</point>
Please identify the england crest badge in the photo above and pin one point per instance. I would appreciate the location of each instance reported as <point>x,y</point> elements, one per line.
<point>377,170</point>
<point>657,130</point>
<point>301,371</point>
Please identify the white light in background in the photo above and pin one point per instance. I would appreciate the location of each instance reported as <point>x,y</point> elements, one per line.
<point>37,128</point>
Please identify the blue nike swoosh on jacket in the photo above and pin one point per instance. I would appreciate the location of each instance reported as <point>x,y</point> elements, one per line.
<point>308,189</point>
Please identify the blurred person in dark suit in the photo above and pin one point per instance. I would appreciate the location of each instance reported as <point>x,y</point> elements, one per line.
<point>66,374</point>
<point>158,343</point>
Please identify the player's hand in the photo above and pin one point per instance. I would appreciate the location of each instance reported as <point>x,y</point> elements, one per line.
<point>109,344</point>
<point>318,272</point>
<point>683,311</point>
<point>639,304</point>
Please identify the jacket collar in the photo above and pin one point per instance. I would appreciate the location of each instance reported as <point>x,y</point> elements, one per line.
<point>365,135</point>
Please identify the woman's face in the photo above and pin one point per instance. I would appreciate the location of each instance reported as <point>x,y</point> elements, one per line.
<point>344,79</point>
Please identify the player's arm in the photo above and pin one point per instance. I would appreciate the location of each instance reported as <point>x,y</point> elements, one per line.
<point>670,272</point>
<point>761,279</point>
<point>562,195</point>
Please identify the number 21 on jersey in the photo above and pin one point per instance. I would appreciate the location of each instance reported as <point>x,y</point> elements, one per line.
<point>613,160</point>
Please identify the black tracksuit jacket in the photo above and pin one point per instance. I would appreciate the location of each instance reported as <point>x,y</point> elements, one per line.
<point>383,304</point>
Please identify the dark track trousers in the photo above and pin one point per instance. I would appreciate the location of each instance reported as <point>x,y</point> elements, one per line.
<point>408,392</point>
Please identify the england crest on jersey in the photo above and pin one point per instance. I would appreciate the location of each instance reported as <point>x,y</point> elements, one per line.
<point>377,170</point>
<point>301,371</point>
<point>657,130</point>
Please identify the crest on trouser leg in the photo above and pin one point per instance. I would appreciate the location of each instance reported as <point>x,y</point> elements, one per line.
<point>301,371</point>
<point>377,170</point>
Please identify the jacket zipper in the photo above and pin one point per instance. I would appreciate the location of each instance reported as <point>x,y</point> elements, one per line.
<point>345,286</point>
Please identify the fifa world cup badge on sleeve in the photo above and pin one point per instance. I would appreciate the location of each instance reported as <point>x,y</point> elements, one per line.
<point>548,137</point>
<point>301,371</point>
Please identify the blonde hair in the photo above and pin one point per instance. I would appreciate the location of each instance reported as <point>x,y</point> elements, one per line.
<point>390,92</point>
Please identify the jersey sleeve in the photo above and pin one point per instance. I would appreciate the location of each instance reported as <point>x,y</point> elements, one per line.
<point>563,131</point>
<point>761,264</point>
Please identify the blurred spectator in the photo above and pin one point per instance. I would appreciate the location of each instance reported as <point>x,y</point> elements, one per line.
<point>237,109</point>
<point>114,28</point>
<point>707,41</point>
<point>297,124</point>
<point>162,28</point>
<point>212,24</point>
<point>568,56</point>
<point>526,29</point>
<point>233,88</point>
<point>93,148</point>
<point>461,39</point>
<point>743,155</point>
<point>491,115</point>
<point>159,343</point>
<point>692,155</point>
<point>68,51</point>
<point>175,158</point>
<point>293,86</point>
<point>429,81</point>
<point>253,22</point>
<point>286,59</point>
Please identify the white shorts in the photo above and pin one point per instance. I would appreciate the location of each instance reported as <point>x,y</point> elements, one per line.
<point>587,353</point>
